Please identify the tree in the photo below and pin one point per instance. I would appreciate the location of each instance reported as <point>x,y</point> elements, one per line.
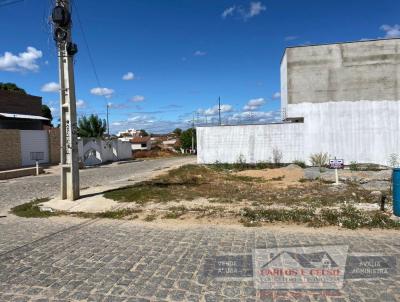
<point>91,126</point>
<point>186,138</point>
<point>11,87</point>
<point>144,132</point>
<point>177,131</point>
<point>46,112</point>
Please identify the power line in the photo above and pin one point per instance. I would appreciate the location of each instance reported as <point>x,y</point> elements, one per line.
<point>93,65</point>
<point>87,45</point>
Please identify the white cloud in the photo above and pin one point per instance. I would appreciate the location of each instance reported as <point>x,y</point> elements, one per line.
<point>128,76</point>
<point>291,38</point>
<point>228,12</point>
<point>214,110</point>
<point>256,8</point>
<point>253,10</point>
<point>150,123</point>
<point>80,104</point>
<point>137,98</point>
<point>255,117</point>
<point>391,31</point>
<point>51,87</point>
<point>254,104</point>
<point>276,96</point>
<point>53,110</point>
<point>24,61</point>
<point>106,92</point>
<point>199,53</point>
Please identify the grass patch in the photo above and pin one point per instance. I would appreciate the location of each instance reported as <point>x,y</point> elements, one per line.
<point>175,212</point>
<point>187,183</point>
<point>279,178</point>
<point>347,217</point>
<point>240,166</point>
<point>301,215</point>
<point>150,217</point>
<point>195,181</point>
<point>31,209</point>
<point>117,214</point>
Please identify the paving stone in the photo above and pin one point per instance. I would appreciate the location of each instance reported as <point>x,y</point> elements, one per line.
<point>70,259</point>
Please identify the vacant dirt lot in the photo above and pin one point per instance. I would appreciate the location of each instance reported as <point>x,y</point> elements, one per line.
<point>209,194</point>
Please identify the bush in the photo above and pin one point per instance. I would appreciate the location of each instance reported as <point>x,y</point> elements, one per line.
<point>354,166</point>
<point>300,163</point>
<point>319,159</point>
<point>277,156</point>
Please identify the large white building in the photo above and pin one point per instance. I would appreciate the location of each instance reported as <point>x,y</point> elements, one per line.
<point>343,99</point>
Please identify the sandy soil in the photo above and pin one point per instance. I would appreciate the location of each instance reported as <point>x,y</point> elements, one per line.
<point>290,174</point>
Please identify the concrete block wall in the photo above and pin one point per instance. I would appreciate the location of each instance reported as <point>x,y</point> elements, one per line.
<point>363,131</point>
<point>10,150</point>
<point>94,151</point>
<point>252,143</point>
<point>342,72</point>
<point>54,146</point>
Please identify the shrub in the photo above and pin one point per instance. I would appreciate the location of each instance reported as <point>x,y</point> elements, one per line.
<point>354,166</point>
<point>319,159</point>
<point>277,156</point>
<point>300,163</point>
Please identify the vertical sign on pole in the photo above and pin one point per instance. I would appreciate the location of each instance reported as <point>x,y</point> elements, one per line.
<point>69,143</point>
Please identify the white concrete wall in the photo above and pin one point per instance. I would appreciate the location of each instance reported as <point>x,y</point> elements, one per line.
<point>101,151</point>
<point>123,149</point>
<point>254,142</point>
<point>364,131</point>
<point>34,141</point>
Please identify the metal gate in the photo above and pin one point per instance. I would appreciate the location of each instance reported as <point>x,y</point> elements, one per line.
<point>34,141</point>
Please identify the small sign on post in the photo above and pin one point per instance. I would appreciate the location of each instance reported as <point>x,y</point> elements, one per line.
<point>36,156</point>
<point>336,164</point>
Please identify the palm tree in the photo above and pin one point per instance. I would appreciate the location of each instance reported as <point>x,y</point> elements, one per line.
<point>91,126</point>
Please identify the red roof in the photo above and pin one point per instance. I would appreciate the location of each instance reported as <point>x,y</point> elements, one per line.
<point>140,140</point>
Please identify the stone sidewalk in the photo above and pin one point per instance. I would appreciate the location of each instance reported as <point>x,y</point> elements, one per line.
<point>113,260</point>
<point>17,191</point>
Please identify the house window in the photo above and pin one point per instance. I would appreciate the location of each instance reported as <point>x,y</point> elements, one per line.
<point>144,145</point>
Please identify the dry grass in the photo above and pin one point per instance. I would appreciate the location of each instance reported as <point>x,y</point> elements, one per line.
<point>252,200</point>
<point>194,181</point>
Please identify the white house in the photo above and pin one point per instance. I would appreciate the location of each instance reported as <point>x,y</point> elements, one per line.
<point>141,143</point>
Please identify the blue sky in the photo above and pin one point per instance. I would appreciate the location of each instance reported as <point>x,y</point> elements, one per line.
<point>158,61</point>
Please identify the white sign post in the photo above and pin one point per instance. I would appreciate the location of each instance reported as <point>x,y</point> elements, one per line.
<point>36,156</point>
<point>336,164</point>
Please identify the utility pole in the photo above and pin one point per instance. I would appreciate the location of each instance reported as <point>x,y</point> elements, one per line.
<point>108,125</point>
<point>193,133</point>
<point>219,109</point>
<point>61,18</point>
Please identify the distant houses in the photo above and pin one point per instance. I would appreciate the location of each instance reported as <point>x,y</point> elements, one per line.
<point>141,143</point>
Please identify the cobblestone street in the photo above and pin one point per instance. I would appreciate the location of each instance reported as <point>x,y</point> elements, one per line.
<point>20,190</point>
<point>71,259</point>
<point>107,260</point>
